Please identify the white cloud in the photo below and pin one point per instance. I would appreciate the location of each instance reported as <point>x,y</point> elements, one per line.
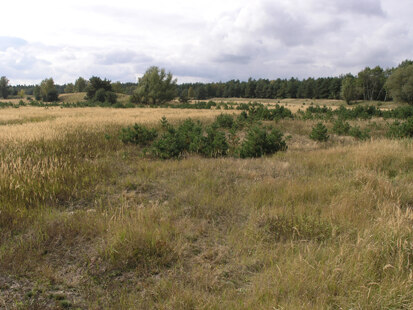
<point>201,40</point>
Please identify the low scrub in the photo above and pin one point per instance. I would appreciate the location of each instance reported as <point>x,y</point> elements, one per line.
<point>138,134</point>
<point>342,128</point>
<point>319,133</point>
<point>208,141</point>
<point>259,142</point>
<point>401,129</point>
<point>225,121</point>
<point>358,133</point>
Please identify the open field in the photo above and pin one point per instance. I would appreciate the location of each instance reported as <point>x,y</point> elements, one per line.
<point>87,222</point>
<point>294,104</point>
<point>32,123</point>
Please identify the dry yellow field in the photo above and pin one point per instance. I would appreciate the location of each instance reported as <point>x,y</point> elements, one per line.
<point>30,123</point>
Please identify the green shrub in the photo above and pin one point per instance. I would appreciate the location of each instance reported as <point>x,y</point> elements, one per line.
<point>138,135</point>
<point>259,142</point>
<point>224,121</point>
<point>100,95</point>
<point>187,137</point>
<point>341,128</point>
<point>111,97</point>
<point>51,96</point>
<point>319,133</point>
<point>357,133</point>
<point>401,129</point>
<point>214,144</point>
<point>167,146</point>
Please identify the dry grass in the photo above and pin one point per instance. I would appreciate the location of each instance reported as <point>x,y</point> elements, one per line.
<point>67,98</point>
<point>87,222</point>
<point>57,121</point>
<point>295,104</point>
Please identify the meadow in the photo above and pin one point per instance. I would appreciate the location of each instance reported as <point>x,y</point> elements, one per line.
<point>89,222</point>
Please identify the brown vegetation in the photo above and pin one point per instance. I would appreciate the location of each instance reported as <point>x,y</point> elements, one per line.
<point>88,222</point>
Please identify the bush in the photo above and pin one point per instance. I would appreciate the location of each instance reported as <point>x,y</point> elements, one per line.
<point>96,84</point>
<point>111,97</point>
<point>100,95</point>
<point>341,128</point>
<point>52,96</point>
<point>174,142</point>
<point>167,146</point>
<point>319,133</point>
<point>357,133</point>
<point>400,84</point>
<point>224,121</point>
<point>138,135</point>
<point>258,143</point>
<point>401,130</point>
<point>192,137</point>
<point>258,111</point>
<point>403,112</point>
<point>214,144</point>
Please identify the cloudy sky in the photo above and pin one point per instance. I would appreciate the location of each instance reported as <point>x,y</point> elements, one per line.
<point>201,40</point>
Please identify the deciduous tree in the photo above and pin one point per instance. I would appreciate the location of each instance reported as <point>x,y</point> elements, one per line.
<point>69,88</point>
<point>400,84</point>
<point>4,87</point>
<point>48,90</point>
<point>100,90</point>
<point>155,87</point>
<point>80,85</point>
<point>349,89</point>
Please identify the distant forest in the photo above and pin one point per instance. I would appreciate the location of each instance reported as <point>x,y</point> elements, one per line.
<point>370,84</point>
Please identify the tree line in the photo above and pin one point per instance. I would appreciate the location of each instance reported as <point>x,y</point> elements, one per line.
<point>157,86</point>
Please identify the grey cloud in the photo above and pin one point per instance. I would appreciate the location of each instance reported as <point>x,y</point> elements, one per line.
<point>263,38</point>
<point>231,58</point>
<point>372,57</point>
<point>364,7</point>
<point>294,29</point>
<point>122,57</point>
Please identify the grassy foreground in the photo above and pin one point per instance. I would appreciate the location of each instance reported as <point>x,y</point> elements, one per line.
<point>88,223</point>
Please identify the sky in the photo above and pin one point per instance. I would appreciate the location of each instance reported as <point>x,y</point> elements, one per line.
<point>201,40</point>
